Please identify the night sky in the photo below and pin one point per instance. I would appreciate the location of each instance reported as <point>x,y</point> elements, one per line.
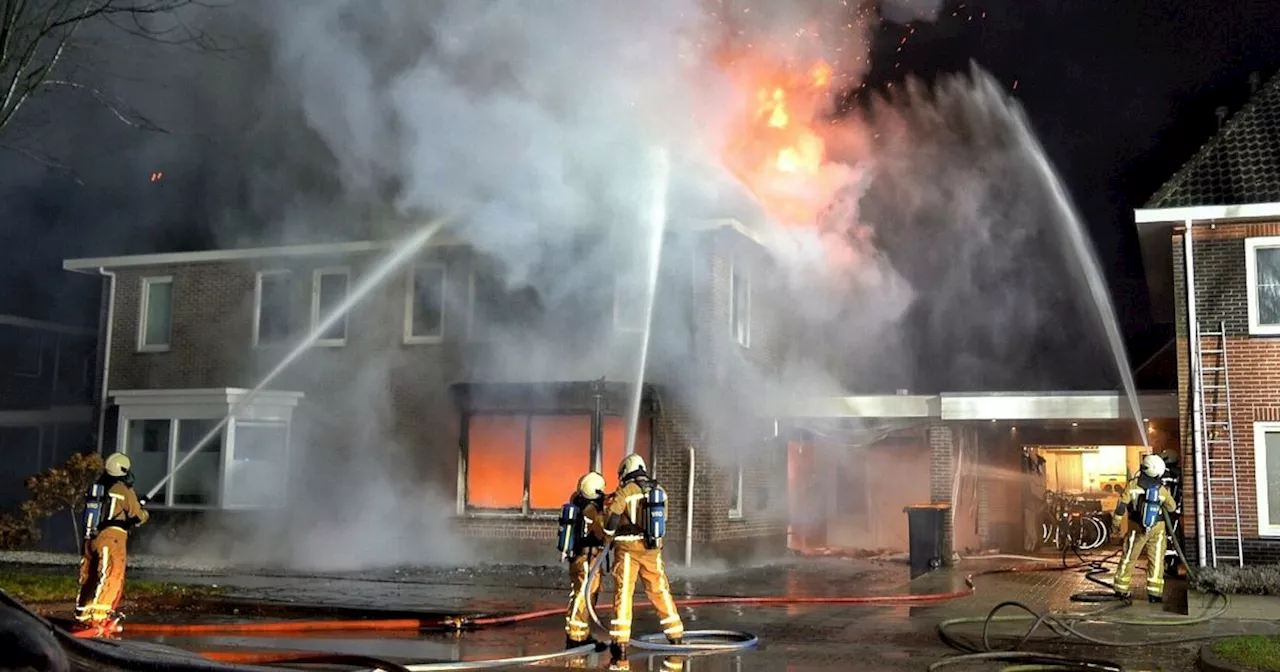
<point>1120,93</point>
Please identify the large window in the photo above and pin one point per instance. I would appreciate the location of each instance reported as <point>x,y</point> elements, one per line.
<point>21,352</point>
<point>1262,265</point>
<point>740,305</point>
<point>147,445</point>
<point>273,315</point>
<point>524,463</point>
<point>615,448</point>
<point>1266,446</point>
<point>424,304</point>
<point>259,469</point>
<point>155,323</point>
<point>329,288</point>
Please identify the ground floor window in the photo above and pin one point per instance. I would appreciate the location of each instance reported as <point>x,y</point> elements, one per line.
<point>247,471</point>
<point>1266,446</point>
<point>520,463</point>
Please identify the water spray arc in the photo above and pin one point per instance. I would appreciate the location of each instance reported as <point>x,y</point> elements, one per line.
<point>661,164</point>
<point>1073,232</point>
<point>403,252</point>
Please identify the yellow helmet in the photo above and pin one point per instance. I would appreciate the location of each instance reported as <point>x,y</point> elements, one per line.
<point>629,464</point>
<point>591,485</point>
<point>118,464</point>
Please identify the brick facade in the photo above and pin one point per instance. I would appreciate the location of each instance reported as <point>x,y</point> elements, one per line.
<point>1254,368</point>
<point>407,386</point>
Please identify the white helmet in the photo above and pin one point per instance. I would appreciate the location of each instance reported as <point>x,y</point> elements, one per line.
<point>1153,466</point>
<point>591,485</point>
<point>118,465</point>
<point>629,464</point>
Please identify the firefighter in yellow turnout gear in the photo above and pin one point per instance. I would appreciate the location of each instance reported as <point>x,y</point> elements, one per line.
<point>1145,499</point>
<point>588,501</point>
<point>118,510</point>
<point>636,554</point>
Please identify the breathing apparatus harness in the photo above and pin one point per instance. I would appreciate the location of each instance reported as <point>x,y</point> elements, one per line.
<point>97,499</point>
<point>574,536</point>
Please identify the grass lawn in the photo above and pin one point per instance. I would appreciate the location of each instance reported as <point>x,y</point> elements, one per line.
<point>38,587</point>
<point>1258,652</point>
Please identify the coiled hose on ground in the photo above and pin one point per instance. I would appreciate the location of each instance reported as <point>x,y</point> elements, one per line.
<point>1065,626</point>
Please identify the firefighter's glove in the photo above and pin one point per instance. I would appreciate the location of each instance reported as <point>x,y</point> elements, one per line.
<point>1115,527</point>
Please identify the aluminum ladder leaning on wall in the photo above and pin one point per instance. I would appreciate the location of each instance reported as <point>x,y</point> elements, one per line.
<point>1213,386</point>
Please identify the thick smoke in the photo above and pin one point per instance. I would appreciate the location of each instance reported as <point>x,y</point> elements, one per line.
<point>536,124</point>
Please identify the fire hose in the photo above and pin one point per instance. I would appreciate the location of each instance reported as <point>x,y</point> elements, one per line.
<point>1061,624</point>
<point>1065,626</point>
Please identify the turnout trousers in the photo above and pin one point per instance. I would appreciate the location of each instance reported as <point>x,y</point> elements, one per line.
<point>102,576</point>
<point>631,560</point>
<point>577,624</point>
<point>1136,541</point>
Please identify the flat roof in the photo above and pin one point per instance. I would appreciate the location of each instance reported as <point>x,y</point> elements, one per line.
<point>92,264</point>
<point>960,406</point>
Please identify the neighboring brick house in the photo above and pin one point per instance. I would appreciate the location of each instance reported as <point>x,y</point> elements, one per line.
<point>190,333</point>
<point>46,405</point>
<point>1226,200</point>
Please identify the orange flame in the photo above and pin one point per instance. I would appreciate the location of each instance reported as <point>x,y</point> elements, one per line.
<point>778,153</point>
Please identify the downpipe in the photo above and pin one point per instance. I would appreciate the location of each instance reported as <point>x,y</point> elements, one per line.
<point>106,354</point>
<point>688,515</point>
<point>1197,401</point>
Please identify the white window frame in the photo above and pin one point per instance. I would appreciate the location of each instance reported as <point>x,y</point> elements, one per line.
<point>735,503</point>
<point>745,341</point>
<point>409,296</point>
<point>316,276</point>
<point>1266,526</point>
<point>257,306</point>
<point>1251,247</point>
<point>143,313</point>
<point>471,307</point>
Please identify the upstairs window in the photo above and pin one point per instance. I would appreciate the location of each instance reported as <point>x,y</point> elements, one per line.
<point>155,324</point>
<point>424,304</point>
<point>740,305</point>
<point>497,308</point>
<point>329,289</point>
<point>273,318</point>
<point>1262,266</point>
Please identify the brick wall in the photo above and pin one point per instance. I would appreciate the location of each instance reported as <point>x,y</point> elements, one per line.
<point>1254,368</point>
<point>211,347</point>
<point>942,441</point>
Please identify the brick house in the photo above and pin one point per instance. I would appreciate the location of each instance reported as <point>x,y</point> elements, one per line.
<point>188,334</point>
<point>1217,223</point>
<point>46,405</point>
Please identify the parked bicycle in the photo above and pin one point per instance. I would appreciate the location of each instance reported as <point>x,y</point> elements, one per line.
<point>1073,521</point>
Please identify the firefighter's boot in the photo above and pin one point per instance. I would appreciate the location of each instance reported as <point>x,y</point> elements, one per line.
<point>618,657</point>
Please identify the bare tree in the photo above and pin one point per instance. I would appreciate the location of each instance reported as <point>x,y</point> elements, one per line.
<point>38,38</point>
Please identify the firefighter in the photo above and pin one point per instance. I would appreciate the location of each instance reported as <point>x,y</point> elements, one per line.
<point>118,510</point>
<point>588,503</point>
<point>1146,500</point>
<point>1172,480</point>
<point>635,522</point>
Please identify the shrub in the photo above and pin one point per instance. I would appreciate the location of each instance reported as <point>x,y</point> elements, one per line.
<point>1256,580</point>
<point>58,489</point>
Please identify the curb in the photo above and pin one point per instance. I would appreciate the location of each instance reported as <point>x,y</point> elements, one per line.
<point>1208,661</point>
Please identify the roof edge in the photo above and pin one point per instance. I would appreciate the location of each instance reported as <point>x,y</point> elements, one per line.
<point>1202,213</point>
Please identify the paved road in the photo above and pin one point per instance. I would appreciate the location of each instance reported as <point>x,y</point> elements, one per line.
<point>793,638</point>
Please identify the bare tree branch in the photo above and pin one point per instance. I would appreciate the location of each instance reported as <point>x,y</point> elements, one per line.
<point>46,161</point>
<point>37,35</point>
